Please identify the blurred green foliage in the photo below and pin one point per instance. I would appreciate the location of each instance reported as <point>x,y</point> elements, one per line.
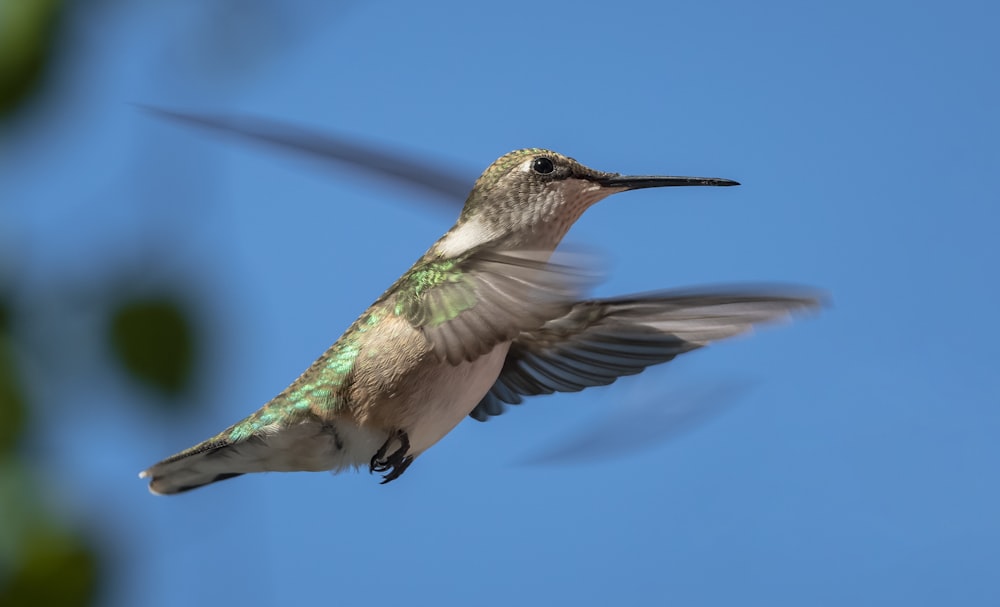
<point>27,37</point>
<point>154,341</point>
<point>54,568</point>
<point>41,561</point>
<point>44,560</point>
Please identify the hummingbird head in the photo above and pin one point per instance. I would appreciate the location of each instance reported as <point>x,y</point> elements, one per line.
<point>531,197</point>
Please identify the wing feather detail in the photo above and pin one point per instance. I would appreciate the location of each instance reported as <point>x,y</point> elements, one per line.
<point>595,342</point>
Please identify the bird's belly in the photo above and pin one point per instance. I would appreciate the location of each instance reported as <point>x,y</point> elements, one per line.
<point>451,392</point>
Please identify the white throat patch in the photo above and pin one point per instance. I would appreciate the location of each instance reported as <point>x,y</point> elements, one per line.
<point>467,235</point>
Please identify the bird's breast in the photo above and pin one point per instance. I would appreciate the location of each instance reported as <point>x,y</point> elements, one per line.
<point>448,394</point>
<point>400,383</point>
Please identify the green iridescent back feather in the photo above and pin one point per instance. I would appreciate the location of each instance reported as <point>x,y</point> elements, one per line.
<point>316,393</point>
<point>421,282</point>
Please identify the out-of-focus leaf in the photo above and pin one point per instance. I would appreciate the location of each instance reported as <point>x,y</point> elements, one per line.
<point>154,341</point>
<point>13,409</point>
<point>27,36</point>
<point>4,317</point>
<point>12,406</point>
<point>18,504</point>
<point>54,568</point>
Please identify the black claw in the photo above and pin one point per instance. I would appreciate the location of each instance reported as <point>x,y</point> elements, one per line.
<point>377,464</point>
<point>379,467</point>
<point>396,462</point>
<point>397,470</point>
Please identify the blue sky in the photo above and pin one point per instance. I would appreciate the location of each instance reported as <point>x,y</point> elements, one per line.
<point>857,460</point>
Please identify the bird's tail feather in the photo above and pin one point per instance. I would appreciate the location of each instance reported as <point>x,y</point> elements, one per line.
<point>203,464</point>
<point>309,445</point>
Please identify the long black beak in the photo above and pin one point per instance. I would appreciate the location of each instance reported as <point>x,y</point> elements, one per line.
<point>631,182</point>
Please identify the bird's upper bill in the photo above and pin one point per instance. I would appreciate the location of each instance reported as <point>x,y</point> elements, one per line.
<point>637,182</point>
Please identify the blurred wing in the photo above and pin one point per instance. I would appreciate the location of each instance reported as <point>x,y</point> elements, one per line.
<point>466,306</point>
<point>635,424</point>
<point>598,341</point>
<point>406,168</point>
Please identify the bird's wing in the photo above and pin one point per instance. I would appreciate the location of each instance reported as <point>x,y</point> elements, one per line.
<point>466,306</point>
<point>598,341</point>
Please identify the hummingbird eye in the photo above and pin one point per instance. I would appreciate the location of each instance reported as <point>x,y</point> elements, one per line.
<point>542,165</point>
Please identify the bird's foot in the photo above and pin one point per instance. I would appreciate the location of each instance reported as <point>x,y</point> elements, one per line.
<point>396,462</point>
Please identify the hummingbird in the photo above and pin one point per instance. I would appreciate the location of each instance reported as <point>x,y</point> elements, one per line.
<point>491,314</point>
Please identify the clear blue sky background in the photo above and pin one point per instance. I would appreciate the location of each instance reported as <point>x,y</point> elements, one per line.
<point>859,468</point>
